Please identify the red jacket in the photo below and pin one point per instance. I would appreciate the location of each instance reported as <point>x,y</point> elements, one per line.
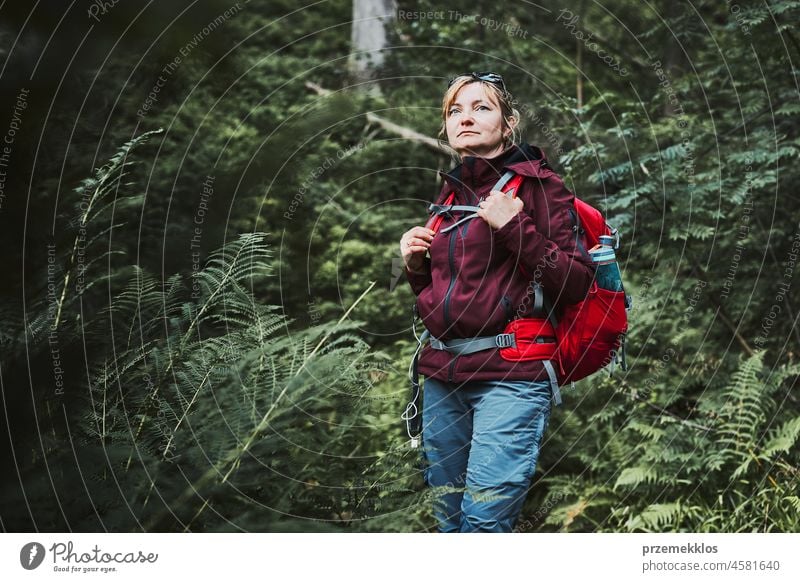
<point>473,285</point>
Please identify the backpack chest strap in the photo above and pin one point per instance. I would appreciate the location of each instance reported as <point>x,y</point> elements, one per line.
<point>439,209</point>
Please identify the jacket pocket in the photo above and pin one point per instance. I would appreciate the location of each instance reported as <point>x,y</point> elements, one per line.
<point>506,303</point>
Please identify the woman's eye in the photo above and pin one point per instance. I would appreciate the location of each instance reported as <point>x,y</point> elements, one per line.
<point>482,107</point>
<point>452,111</point>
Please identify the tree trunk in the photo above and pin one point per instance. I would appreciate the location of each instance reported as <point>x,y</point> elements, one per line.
<point>672,54</point>
<point>368,38</point>
<point>579,62</point>
<point>579,73</point>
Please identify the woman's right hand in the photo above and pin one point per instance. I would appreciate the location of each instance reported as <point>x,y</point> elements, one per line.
<point>413,246</point>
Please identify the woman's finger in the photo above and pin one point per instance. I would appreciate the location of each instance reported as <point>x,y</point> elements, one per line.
<point>422,232</point>
<point>416,240</point>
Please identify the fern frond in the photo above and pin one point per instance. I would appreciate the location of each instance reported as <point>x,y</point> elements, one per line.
<point>743,411</point>
<point>635,476</point>
<point>655,517</point>
<point>782,439</point>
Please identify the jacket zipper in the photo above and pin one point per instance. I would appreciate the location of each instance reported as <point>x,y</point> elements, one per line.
<point>452,264</point>
<point>451,369</point>
<point>451,261</point>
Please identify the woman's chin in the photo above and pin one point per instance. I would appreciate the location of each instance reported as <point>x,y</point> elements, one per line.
<point>469,147</point>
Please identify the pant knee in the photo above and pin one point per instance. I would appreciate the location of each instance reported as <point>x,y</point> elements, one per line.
<point>474,523</point>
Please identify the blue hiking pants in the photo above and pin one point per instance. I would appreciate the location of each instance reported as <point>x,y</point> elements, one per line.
<point>482,437</point>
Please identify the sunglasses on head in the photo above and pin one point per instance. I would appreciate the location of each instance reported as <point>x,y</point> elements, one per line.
<point>489,77</point>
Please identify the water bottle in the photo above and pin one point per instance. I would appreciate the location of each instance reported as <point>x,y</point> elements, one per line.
<point>607,274</point>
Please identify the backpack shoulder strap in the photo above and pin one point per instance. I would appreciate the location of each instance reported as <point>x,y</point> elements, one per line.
<point>504,179</point>
<point>508,183</point>
<point>435,221</point>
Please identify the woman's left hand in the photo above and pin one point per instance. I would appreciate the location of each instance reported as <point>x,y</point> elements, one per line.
<point>498,209</point>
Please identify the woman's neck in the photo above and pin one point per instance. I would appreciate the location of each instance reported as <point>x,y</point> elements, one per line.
<point>498,151</point>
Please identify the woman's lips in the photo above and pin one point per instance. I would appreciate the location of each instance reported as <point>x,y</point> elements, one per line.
<point>467,132</point>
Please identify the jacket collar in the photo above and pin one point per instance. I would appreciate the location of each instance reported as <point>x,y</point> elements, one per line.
<point>474,172</point>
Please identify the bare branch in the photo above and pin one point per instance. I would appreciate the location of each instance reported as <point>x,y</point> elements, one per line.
<point>394,128</point>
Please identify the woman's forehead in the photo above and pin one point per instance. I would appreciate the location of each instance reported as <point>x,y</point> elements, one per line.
<point>473,92</point>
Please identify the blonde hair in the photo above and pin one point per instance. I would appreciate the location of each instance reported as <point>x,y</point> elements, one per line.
<point>503,98</point>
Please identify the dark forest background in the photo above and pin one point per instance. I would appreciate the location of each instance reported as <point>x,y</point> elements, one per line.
<point>201,324</point>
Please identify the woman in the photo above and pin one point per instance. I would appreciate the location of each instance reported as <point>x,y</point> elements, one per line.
<point>484,415</point>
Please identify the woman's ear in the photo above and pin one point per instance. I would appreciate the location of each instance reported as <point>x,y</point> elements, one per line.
<point>512,122</point>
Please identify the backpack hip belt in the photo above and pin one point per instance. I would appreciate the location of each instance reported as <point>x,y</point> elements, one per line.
<point>462,347</point>
<point>505,342</point>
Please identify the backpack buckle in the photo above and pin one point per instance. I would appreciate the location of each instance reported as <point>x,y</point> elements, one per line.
<point>505,340</point>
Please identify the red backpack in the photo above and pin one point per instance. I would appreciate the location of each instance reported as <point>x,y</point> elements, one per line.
<point>591,334</point>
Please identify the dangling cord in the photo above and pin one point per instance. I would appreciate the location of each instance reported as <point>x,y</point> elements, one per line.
<point>412,413</point>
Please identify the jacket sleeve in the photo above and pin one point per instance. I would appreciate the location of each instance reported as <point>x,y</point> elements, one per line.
<point>419,280</point>
<point>553,260</point>
<point>423,278</point>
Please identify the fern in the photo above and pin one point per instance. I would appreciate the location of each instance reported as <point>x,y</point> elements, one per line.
<point>192,380</point>
<point>741,415</point>
<point>656,517</point>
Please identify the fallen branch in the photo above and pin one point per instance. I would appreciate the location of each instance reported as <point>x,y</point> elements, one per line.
<point>392,127</point>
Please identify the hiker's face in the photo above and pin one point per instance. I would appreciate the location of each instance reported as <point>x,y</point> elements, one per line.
<point>475,123</point>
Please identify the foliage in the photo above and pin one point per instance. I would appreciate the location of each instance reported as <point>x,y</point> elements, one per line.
<point>730,468</point>
<point>214,380</point>
<point>202,409</point>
